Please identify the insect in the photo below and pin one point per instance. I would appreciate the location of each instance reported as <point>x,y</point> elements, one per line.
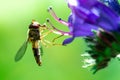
<point>36,35</point>
<point>34,38</point>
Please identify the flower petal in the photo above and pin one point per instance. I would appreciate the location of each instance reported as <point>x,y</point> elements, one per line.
<point>114,4</point>
<point>68,40</point>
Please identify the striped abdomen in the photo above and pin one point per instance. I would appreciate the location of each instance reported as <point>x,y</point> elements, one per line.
<point>36,51</point>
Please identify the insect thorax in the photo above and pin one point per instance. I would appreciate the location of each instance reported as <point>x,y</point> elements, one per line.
<point>34,34</point>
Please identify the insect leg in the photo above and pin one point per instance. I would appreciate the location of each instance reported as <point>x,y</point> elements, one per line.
<point>44,42</point>
<point>45,34</point>
<point>49,43</point>
<point>57,38</point>
<point>53,41</point>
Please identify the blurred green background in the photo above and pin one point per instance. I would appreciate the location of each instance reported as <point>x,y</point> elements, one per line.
<point>58,62</point>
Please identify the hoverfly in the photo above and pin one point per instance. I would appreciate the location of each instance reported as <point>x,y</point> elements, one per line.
<point>36,34</point>
<point>34,38</point>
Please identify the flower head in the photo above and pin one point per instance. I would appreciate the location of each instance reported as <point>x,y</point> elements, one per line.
<point>95,13</point>
<point>88,15</point>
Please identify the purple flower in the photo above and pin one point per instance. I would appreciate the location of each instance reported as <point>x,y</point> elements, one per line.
<point>114,4</point>
<point>88,15</point>
<point>77,28</point>
<point>94,13</point>
<point>103,44</point>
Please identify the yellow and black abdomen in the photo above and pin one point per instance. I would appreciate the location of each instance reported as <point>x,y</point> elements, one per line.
<point>36,51</point>
<point>34,38</point>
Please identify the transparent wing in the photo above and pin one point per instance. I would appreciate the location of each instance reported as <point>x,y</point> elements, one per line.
<point>20,53</point>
